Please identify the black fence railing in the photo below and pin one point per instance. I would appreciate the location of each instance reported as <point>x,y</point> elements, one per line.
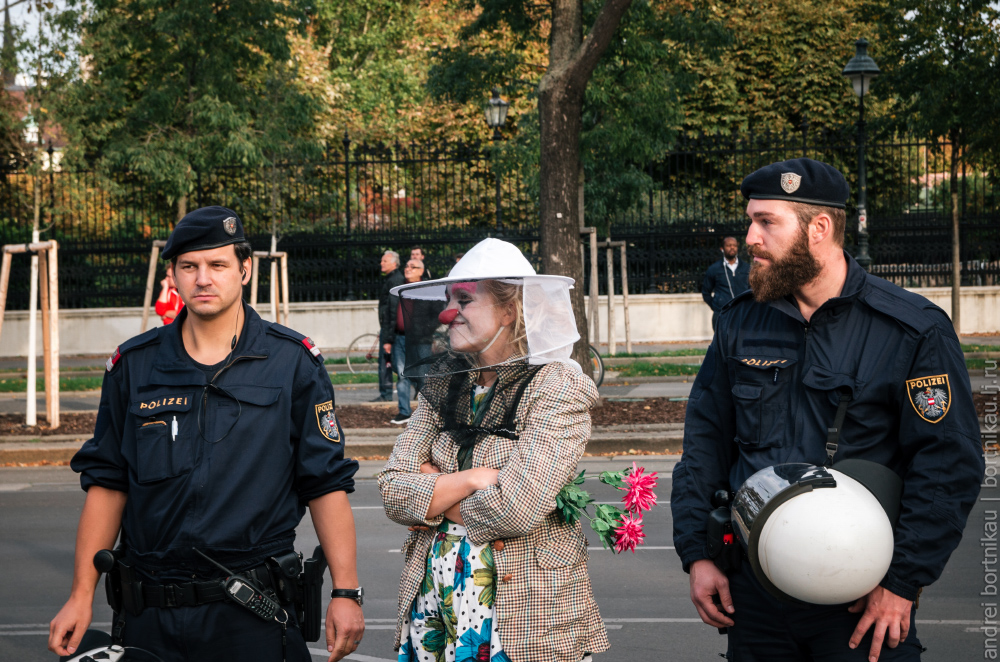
<point>675,231</point>
<point>335,217</point>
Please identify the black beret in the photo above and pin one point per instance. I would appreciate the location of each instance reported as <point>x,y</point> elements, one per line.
<point>798,180</point>
<point>203,229</point>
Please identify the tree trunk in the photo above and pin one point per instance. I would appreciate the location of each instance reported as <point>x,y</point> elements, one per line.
<point>956,252</point>
<point>572,59</point>
<point>182,207</point>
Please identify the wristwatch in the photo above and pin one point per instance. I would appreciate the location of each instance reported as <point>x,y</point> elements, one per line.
<point>356,594</point>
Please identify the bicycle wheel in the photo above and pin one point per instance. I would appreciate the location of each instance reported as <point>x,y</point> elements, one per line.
<point>597,365</point>
<point>362,353</point>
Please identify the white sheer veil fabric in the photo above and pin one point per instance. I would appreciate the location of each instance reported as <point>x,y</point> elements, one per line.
<point>549,324</point>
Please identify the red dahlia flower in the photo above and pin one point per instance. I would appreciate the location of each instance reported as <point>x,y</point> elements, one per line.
<point>640,496</point>
<point>629,534</point>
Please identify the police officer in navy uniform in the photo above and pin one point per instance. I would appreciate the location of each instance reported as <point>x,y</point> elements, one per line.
<point>815,325</point>
<point>213,433</point>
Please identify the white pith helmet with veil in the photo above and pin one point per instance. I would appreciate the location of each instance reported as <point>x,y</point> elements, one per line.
<point>549,327</point>
<point>492,313</point>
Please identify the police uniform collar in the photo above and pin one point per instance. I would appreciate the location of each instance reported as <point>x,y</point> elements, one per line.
<point>251,342</point>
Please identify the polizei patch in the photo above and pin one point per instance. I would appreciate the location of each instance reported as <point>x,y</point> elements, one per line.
<point>930,396</point>
<point>327,421</point>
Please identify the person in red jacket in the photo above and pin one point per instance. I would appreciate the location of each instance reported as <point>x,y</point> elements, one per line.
<point>169,304</point>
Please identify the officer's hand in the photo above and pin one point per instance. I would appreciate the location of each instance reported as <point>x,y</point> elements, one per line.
<point>707,581</point>
<point>68,627</point>
<point>345,625</point>
<point>889,613</point>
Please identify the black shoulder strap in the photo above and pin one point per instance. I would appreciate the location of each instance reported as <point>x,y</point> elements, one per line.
<point>833,434</point>
<point>509,423</point>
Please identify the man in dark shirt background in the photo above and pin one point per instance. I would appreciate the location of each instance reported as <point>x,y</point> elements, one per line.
<point>725,279</point>
<point>387,321</point>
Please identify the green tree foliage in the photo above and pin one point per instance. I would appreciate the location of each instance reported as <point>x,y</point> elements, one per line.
<point>171,88</point>
<point>940,65</point>
<point>13,151</point>
<point>938,61</point>
<point>632,106</point>
<point>781,68</point>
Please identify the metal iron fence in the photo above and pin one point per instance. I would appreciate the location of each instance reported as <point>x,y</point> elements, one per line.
<point>676,230</point>
<point>336,217</point>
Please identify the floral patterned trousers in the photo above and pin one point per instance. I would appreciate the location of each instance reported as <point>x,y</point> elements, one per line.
<point>452,616</point>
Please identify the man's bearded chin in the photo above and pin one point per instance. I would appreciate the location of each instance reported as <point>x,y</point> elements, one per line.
<point>783,277</point>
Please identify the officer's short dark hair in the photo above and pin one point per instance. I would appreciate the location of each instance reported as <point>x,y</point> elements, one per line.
<point>244,251</point>
<point>807,213</point>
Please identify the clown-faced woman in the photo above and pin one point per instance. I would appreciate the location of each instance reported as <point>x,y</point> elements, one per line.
<point>492,572</point>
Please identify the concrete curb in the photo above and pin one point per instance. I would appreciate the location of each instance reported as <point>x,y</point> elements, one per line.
<point>656,438</point>
<point>365,442</point>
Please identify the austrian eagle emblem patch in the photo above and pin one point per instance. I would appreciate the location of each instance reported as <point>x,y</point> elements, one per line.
<point>327,421</point>
<point>930,396</point>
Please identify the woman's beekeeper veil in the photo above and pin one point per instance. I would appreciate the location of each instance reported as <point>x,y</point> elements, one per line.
<point>544,332</point>
<point>450,325</point>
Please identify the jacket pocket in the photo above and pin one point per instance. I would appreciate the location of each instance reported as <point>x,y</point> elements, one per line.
<point>762,396</point>
<point>165,437</point>
<point>558,554</point>
<point>248,403</point>
<point>158,455</point>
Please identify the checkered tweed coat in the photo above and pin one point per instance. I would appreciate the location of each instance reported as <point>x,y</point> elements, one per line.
<point>545,608</point>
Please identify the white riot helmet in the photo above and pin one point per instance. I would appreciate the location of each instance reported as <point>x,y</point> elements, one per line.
<point>818,535</point>
<point>96,645</point>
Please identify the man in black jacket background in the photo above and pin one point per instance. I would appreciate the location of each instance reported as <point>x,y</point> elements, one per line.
<point>725,279</point>
<point>387,322</point>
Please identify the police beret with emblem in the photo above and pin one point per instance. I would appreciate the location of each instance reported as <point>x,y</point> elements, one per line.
<point>204,229</point>
<point>798,180</point>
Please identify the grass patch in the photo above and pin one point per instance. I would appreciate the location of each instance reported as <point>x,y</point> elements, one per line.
<point>94,383</point>
<point>65,384</point>
<point>666,352</point>
<point>341,361</point>
<point>61,369</point>
<point>354,378</point>
<point>980,348</point>
<point>980,364</point>
<point>646,369</point>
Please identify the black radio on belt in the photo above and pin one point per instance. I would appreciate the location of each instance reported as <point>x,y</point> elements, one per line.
<point>245,592</point>
<point>721,543</point>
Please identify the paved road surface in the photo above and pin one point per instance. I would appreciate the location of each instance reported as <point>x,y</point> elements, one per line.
<point>643,597</point>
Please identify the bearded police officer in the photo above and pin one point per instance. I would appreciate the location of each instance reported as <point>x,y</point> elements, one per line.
<point>815,326</point>
<point>213,435</point>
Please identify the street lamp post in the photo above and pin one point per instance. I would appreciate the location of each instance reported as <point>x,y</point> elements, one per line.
<point>861,70</point>
<point>496,117</point>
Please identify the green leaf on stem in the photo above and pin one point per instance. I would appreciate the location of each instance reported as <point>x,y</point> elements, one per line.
<point>614,479</point>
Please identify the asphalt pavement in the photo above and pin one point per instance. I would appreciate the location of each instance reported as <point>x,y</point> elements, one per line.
<point>643,597</point>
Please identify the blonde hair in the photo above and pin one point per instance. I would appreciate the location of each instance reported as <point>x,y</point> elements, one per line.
<point>508,295</point>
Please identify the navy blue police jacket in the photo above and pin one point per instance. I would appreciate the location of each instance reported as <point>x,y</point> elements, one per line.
<point>721,285</point>
<point>248,455</point>
<point>768,391</point>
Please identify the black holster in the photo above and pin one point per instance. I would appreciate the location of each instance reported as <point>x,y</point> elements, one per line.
<point>309,598</point>
<point>131,588</point>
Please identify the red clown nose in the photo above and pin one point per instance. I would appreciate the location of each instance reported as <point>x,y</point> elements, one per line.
<point>448,316</point>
